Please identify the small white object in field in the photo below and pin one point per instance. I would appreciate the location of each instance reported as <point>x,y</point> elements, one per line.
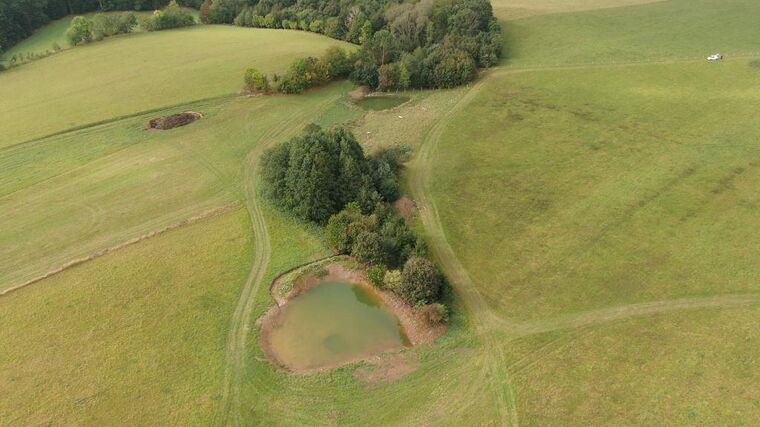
<point>400,117</point>
<point>715,57</point>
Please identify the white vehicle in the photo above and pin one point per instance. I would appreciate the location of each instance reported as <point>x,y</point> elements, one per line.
<point>715,57</point>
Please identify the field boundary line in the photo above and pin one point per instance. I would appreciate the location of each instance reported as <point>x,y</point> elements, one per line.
<point>210,213</point>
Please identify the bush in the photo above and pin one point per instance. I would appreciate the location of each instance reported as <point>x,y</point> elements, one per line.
<point>435,314</point>
<point>56,47</point>
<point>375,275</point>
<point>172,16</point>
<point>392,280</point>
<point>341,228</point>
<point>255,81</point>
<point>368,248</point>
<point>337,62</point>
<point>304,74</point>
<point>79,31</point>
<point>205,11</point>
<point>420,281</point>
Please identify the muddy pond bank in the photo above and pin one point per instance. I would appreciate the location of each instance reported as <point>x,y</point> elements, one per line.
<point>328,315</point>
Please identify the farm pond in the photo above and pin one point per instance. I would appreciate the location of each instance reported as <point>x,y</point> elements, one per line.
<point>331,324</point>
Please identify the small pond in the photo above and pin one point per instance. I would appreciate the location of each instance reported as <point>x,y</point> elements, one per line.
<point>333,323</point>
<point>381,102</point>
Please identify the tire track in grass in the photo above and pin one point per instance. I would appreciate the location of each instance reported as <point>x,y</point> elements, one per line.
<point>229,412</point>
<point>482,318</point>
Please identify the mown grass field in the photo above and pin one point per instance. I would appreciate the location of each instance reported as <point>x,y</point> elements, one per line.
<point>597,223</point>
<point>121,76</point>
<point>661,31</point>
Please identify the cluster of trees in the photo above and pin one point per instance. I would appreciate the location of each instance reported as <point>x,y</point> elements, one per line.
<point>323,176</point>
<point>83,30</point>
<point>172,16</point>
<point>19,18</point>
<point>303,73</point>
<point>406,44</point>
<point>319,172</point>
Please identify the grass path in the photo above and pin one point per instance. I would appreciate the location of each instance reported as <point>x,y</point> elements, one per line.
<point>229,409</point>
<point>494,330</point>
<point>482,318</point>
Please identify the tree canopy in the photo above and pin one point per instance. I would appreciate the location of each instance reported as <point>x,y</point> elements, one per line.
<point>424,44</point>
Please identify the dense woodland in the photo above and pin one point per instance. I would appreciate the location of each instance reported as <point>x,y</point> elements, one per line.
<point>405,44</point>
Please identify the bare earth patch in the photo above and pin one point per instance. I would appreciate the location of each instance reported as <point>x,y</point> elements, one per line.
<point>360,92</point>
<point>286,287</point>
<point>174,120</point>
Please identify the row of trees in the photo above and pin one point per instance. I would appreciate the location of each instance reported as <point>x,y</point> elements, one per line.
<point>422,44</point>
<point>303,73</point>
<point>323,176</point>
<point>84,30</point>
<point>19,18</point>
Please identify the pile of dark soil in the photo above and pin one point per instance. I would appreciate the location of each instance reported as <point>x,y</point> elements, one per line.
<point>174,120</point>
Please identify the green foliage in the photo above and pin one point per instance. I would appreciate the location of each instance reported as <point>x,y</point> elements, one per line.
<point>450,39</point>
<point>392,280</point>
<point>337,62</point>
<point>368,248</point>
<point>110,24</point>
<point>375,275</point>
<point>342,227</point>
<point>255,81</point>
<point>172,16</point>
<point>318,173</point>
<point>303,74</point>
<point>421,281</point>
<point>79,31</point>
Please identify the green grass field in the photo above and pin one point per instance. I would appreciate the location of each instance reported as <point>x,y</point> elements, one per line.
<point>592,202</point>
<point>137,336</point>
<point>122,76</point>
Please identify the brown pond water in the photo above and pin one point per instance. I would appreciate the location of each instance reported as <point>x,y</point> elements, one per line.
<point>334,323</point>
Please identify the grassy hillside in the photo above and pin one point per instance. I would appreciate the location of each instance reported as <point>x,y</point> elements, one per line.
<point>124,75</point>
<point>597,224</point>
<point>598,187</point>
<point>136,336</point>
<point>73,195</point>
<point>662,31</point>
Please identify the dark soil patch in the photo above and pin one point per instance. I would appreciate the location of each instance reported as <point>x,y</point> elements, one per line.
<point>360,92</point>
<point>174,120</point>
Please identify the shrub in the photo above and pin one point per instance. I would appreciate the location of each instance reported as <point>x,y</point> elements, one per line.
<point>337,62</point>
<point>392,280</point>
<point>375,275</point>
<point>420,281</point>
<point>368,248</point>
<point>172,16</point>
<point>204,11</point>
<point>339,230</point>
<point>435,314</point>
<point>56,47</point>
<point>303,74</point>
<point>79,31</point>
<point>255,81</point>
